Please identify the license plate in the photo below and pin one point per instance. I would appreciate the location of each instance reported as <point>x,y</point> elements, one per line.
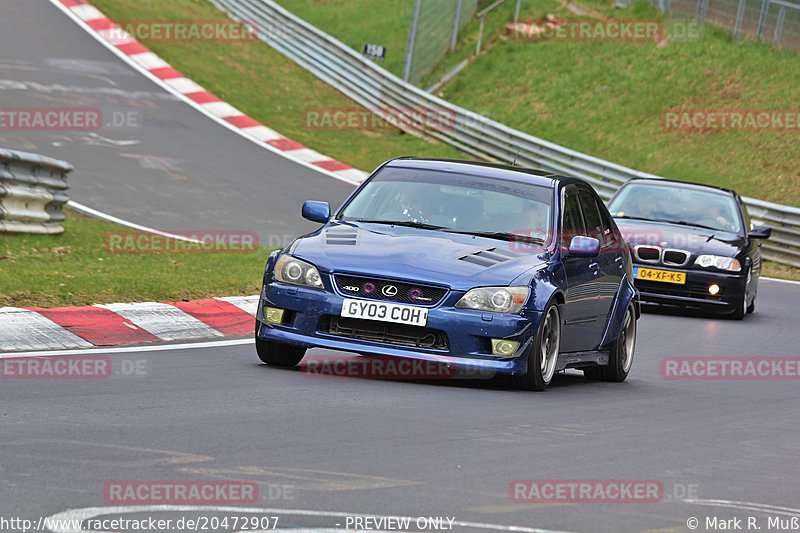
<point>654,274</point>
<point>385,312</point>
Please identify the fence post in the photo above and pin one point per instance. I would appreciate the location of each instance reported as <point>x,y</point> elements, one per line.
<point>456,25</point>
<point>762,19</point>
<point>480,35</point>
<point>412,38</point>
<point>779,24</point>
<point>516,13</point>
<point>739,16</point>
<point>702,7</point>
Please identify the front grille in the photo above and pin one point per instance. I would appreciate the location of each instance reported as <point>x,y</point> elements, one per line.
<point>385,332</point>
<point>650,254</point>
<point>675,257</point>
<point>657,255</point>
<point>392,291</point>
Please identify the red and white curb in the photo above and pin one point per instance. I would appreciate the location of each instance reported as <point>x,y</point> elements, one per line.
<point>125,323</point>
<point>132,52</point>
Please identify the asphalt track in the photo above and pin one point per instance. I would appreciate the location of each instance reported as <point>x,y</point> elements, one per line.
<point>156,161</point>
<point>343,446</point>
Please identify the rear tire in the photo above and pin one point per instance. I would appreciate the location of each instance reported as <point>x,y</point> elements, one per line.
<point>276,353</point>
<point>543,353</point>
<point>621,352</point>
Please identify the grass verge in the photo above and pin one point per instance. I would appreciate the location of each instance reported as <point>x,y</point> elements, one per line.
<point>601,98</point>
<point>76,268</point>
<point>267,86</point>
<point>607,98</point>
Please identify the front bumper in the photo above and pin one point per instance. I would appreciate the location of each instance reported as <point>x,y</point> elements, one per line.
<point>694,293</point>
<point>308,311</point>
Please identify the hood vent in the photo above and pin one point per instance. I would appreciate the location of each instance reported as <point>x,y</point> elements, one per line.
<point>341,235</point>
<point>490,257</point>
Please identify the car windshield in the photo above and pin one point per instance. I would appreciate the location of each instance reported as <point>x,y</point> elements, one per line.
<point>678,205</point>
<point>455,202</point>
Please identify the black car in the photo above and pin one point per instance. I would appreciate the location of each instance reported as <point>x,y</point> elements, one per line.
<point>693,245</point>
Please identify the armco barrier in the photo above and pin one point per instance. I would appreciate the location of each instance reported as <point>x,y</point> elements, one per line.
<point>32,192</point>
<point>375,88</point>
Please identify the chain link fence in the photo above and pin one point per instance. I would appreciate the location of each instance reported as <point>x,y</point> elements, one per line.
<point>434,30</point>
<point>777,21</point>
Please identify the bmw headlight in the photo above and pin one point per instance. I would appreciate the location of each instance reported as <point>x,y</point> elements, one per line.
<point>289,269</point>
<point>718,261</point>
<point>496,299</point>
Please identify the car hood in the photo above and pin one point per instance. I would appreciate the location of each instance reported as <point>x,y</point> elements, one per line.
<point>692,239</point>
<point>458,261</point>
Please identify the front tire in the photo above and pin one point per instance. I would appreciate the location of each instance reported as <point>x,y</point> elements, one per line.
<point>276,353</point>
<point>741,307</point>
<point>621,352</point>
<point>543,353</point>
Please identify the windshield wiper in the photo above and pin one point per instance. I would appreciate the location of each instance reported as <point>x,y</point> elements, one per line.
<point>631,217</point>
<point>686,223</point>
<point>502,235</point>
<point>408,223</point>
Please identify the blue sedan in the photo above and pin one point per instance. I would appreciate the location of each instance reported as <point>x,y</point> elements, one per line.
<point>472,265</point>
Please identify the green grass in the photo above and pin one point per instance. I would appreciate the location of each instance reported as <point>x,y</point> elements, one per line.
<point>606,99</point>
<point>267,86</point>
<point>75,268</point>
<point>602,98</point>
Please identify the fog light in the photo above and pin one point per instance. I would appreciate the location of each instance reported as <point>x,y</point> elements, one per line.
<point>713,289</point>
<point>504,348</point>
<point>274,315</point>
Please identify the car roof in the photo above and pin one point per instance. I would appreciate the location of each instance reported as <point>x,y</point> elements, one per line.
<point>480,168</point>
<point>681,185</point>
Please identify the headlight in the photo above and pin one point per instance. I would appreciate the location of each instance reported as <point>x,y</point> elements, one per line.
<point>718,261</point>
<point>497,299</point>
<point>289,269</point>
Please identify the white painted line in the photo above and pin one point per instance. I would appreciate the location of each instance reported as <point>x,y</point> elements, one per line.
<point>167,87</point>
<point>780,280</point>
<point>221,109</point>
<point>262,133</point>
<point>117,36</point>
<point>165,321</point>
<point>184,85</point>
<point>99,214</point>
<point>248,304</point>
<point>71,515</point>
<point>747,506</point>
<point>307,154</point>
<point>128,349</point>
<point>28,330</point>
<point>86,12</point>
<point>149,60</point>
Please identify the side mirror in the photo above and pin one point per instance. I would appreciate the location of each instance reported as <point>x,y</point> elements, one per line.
<point>760,232</point>
<point>316,211</point>
<point>584,247</point>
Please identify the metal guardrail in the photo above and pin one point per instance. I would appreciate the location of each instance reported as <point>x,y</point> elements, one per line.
<point>32,192</point>
<point>375,88</point>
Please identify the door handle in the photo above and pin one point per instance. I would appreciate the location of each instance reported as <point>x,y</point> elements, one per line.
<point>594,266</point>
<point>619,262</point>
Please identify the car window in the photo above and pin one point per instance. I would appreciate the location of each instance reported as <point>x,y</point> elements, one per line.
<point>454,201</point>
<point>591,215</point>
<point>571,220</point>
<point>709,208</point>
